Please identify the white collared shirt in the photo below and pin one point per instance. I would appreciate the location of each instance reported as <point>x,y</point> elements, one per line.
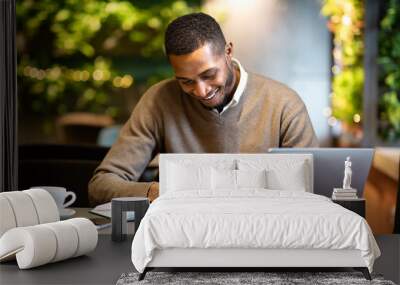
<point>239,89</point>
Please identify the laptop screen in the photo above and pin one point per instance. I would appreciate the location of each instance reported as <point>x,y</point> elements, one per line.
<point>329,167</point>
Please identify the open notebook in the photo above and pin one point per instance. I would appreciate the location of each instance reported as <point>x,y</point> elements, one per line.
<point>104,210</point>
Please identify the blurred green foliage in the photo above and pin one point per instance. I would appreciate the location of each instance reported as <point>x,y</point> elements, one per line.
<point>347,99</point>
<point>346,24</point>
<point>80,55</point>
<point>389,61</point>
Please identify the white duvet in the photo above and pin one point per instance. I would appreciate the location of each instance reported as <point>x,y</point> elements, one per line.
<point>250,219</point>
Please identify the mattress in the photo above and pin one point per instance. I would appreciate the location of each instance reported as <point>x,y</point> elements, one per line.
<point>250,219</point>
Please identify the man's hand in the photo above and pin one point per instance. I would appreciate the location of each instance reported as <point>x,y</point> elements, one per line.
<point>153,192</point>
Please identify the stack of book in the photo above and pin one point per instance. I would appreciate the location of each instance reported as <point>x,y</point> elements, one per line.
<point>344,194</point>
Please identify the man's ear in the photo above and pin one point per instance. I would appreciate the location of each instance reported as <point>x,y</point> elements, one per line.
<point>229,50</point>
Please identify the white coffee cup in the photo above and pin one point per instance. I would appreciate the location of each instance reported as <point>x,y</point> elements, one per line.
<point>60,194</point>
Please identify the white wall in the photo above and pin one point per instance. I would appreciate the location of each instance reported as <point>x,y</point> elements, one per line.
<point>286,40</point>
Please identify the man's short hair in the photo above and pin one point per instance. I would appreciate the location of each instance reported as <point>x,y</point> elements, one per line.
<point>190,32</point>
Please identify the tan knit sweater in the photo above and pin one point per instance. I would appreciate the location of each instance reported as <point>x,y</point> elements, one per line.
<point>165,120</point>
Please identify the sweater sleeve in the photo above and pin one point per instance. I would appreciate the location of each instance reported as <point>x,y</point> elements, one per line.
<point>296,126</point>
<point>137,144</point>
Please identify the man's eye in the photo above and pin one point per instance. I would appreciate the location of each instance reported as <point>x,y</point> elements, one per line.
<point>208,77</point>
<point>187,82</point>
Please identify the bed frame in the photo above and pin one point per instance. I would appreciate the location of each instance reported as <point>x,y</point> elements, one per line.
<point>241,259</point>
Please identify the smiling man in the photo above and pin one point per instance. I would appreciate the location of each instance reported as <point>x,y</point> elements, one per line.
<point>213,105</point>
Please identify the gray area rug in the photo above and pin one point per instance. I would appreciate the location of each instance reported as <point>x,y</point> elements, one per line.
<point>229,278</point>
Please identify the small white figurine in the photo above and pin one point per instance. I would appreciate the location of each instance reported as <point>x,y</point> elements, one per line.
<point>347,174</point>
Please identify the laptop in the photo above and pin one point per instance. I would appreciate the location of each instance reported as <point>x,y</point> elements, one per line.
<point>329,167</point>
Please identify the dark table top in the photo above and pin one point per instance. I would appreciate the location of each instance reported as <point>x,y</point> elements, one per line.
<point>110,259</point>
<point>102,266</point>
<point>388,263</point>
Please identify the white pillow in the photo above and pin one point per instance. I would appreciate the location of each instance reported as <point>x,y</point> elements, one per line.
<point>223,179</point>
<point>251,178</point>
<point>292,180</point>
<point>182,177</point>
<point>281,174</point>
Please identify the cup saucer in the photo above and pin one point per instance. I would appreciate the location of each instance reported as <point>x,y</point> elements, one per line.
<point>66,213</point>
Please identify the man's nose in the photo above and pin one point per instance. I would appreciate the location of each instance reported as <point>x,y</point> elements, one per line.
<point>201,89</point>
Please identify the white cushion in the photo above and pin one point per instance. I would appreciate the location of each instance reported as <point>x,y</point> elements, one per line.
<point>40,244</point>
<point>7,217</point>
<point>87,235</point>
<point>181,177</point>
<point>283,163</point>
<point>251,178</point>
<point>26,208</point>
<point>32,246</point>
<point>45,205</point>
<point>23,208</point>
<point>293,180</point>
<point>223,179</point>
<point>231,180</point>
<point>281,174</point>
<point>67,240</point>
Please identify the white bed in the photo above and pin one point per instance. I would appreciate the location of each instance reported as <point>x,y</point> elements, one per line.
<point>215,211</point>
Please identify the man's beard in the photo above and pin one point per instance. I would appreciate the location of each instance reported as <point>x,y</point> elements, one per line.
<point>228,84</point>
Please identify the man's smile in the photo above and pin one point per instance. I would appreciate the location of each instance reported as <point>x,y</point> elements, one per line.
<point>212,95</point>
